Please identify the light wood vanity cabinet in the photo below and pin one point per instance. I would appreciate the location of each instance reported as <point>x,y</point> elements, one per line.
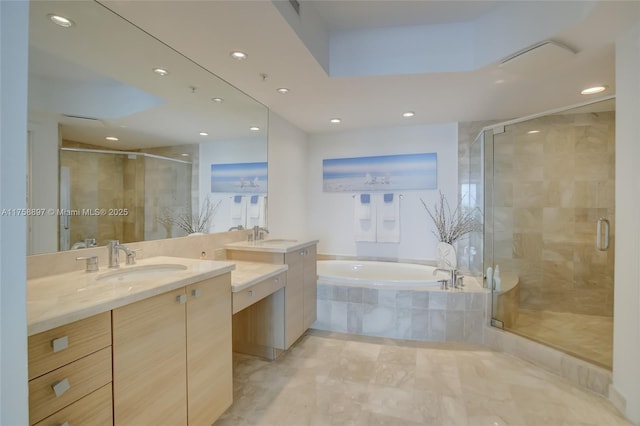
<point>300,301</point>
<point>70,373</point>
<point>172,356</point>
<point>310,278</point>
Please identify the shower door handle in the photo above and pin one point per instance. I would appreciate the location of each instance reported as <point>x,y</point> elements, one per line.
<point>602,234</point>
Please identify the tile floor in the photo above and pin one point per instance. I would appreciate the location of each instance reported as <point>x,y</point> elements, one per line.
<point>337,379</point>
<point>588,337</point>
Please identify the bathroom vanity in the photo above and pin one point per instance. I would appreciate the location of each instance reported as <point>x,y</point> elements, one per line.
<point>298,300</point>
<point>152,343</point>
<point>144,344</point>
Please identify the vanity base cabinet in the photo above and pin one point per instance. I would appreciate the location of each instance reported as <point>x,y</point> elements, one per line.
<point>149,368</point>
<point>68,366</point>
<point>310,292</point>
<point>94,409</point>
<point>258,318</point>
<point>172,356</point>
<point>209,354</point>
<point>300,293</point>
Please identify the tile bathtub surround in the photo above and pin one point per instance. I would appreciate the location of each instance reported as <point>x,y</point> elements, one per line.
<point>453,315</point>
<point>331,379</point>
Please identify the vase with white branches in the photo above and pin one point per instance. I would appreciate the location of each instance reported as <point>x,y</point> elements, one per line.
<point>187,221</point>
<point>451,225</point>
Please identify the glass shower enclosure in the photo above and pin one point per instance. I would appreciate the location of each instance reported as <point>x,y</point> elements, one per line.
<point>115,195</point>
<point>548,227</point>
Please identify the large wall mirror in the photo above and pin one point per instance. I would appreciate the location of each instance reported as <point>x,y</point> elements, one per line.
<point>130,140</point>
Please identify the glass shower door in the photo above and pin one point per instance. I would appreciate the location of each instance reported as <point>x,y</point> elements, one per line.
<point>551,195</point>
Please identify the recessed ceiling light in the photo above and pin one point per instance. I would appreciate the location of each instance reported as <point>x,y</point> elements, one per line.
<point>161,71</point>
<point>335,120</point>
<point>238,55</point>
<point>254,128</point>
<point>282,90</point>
<point>408,114</point>
<point>499,81</point>
<point>593,90</point>
<point>184,154</point>
<point>531,132</point>
<point>61,21</point>
<point>204,134</point>
<point>217,100</point>
<point>112,138</point>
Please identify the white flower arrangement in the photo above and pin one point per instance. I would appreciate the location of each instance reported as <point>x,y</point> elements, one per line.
<point>452,225</point>
<point>189,222</point>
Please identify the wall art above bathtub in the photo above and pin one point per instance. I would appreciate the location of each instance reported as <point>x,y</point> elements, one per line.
<point>239,178</point>
<point>381,173</point>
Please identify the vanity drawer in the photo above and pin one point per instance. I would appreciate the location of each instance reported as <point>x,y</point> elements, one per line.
<point>257,292</point>
<point>94,409</point>
<point>60,346</point>
<point>72,382</point>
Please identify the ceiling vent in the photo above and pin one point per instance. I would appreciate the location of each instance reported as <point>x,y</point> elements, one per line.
<point>296,6</point>
<point>537,58</point>
<point>81,120</point>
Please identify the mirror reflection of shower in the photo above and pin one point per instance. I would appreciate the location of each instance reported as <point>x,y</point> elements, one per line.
<point>115,195</point>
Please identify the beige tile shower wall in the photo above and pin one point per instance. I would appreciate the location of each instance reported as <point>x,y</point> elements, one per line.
<point>189,153</point>
<point>133,185</point>
<point>96,182</point>
<point>167,190</point>
<point>550,189</point>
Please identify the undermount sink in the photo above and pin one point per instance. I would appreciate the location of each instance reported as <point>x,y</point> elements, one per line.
<point>141,272</point>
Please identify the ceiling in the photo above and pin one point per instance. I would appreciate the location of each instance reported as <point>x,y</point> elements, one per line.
<point>366,62</point>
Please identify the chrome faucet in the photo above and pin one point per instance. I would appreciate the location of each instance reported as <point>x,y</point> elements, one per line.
<point>258,233</point>
<point>88,242</point>
<point>453,275</point>
<point>236,228</point>
<point>113,246</point>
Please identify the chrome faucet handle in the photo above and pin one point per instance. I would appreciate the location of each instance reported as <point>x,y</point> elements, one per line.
<point>92,263</point>
<point>131,256</point>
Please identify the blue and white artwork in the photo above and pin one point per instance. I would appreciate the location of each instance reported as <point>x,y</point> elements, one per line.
<point>381,173</point>
<point>239,178</point>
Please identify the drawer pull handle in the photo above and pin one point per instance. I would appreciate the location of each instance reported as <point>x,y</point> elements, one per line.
<point>277,280</point>
<point>60,344</point>
<point>59,388</point>
<point>196,292</point>
<point>64,424</point>
<point>250,292</point>
<point>182,299</point>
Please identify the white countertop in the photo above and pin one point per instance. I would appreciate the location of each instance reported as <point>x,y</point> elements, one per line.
<point>271,245</point>
<point>61,299</point>
<point>248,274</point>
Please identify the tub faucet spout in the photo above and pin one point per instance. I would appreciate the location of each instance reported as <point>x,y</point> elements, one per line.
<point>452,272</point>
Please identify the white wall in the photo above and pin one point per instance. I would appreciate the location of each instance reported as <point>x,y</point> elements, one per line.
<point>288,173</point>
<point>221,152</point>
<point>43,237</point>
<point>626,332</point>
<point>14,31</point>
<point>331,214</point>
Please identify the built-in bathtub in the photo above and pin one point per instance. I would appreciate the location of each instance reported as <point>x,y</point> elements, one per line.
<point>398,300</point>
